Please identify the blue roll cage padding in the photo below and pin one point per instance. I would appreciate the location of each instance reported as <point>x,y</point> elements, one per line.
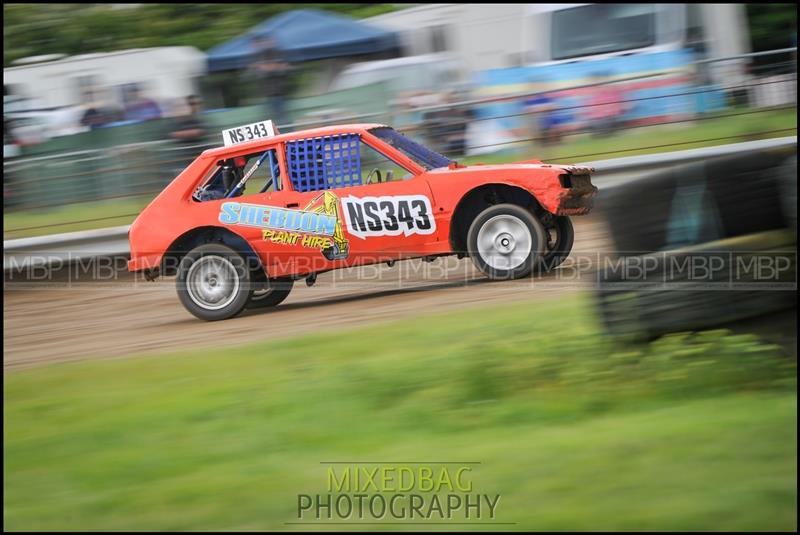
<point>324,162</point>
<point>276,172</point>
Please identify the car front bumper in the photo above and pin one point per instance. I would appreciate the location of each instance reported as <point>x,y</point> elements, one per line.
<point>577,193</point>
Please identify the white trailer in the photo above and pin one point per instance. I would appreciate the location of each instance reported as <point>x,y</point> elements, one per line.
<point>563,33</point>
<point>483,36</point>
<point>491,36</point>
<point>164,74</point>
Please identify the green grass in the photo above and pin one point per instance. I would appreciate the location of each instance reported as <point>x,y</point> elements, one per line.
<point>73,217</point>
<point>574,149</point>
<point>662,138</point>
<point>573,431</point>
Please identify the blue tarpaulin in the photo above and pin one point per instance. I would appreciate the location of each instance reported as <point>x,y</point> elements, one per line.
<point>303,35</point>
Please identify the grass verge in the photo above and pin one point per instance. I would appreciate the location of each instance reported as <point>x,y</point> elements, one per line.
<point>574,432</point>
<point>73,217</point>
<point>721,129</point>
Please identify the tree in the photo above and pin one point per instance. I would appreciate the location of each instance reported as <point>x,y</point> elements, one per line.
<point>35,29</point>
<point>772,26</point>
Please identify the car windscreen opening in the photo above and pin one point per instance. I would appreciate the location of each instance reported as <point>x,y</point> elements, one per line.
<point>421,154</point>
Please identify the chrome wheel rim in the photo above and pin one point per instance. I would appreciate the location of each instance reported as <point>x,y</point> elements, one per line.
<point>504,242</point>
<point>212,282</point>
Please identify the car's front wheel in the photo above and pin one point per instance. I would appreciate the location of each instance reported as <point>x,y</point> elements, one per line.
<point>213,282</point>
<point>506,241</point>
<point>560,236</point>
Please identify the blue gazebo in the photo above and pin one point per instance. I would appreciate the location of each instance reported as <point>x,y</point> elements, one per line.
<point>304,35</point>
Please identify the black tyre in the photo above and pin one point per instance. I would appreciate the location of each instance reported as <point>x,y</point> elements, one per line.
<point>506,241</point>
<point>273,295</point>
<point>213,282</point>
<point>560,236</point>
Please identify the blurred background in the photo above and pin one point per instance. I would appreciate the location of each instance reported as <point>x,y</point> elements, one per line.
<point>593,400</point>
<point>96,95</point>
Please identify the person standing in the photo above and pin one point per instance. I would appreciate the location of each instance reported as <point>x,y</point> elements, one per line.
<point>606,109</point>
<point>272,73</point>
<point>96,113</point>
<point>189,132</point>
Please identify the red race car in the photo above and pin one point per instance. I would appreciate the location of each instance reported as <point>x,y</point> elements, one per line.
<point>242,222</point>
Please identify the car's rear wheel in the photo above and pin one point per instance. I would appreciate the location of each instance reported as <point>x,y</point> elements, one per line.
<point>560,236</point>
<point>274,294</point>
<point>506,241</point>
<point>213,282</point>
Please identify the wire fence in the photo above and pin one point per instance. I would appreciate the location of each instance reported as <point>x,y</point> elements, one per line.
<point>139,170</point>
<point>554,159</point>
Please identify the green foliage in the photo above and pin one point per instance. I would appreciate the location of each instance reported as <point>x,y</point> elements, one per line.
<point>33,29</point>
<point>772,26</point>
<point>690,432</point>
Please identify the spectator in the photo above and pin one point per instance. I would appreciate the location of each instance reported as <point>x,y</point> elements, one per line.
<point>141,108</point>
<point>96,114</point>
<point>10,150</point>
<point>189,132</point>
<point>606,107</point>
<point>272,73</point>
<point>546,122</point>
<point>10,143</point>
<point>455,122</point>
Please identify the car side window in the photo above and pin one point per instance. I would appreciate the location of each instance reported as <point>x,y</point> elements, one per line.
<point>226,178</point>
<point>377,168</point>
<point>337,161</point>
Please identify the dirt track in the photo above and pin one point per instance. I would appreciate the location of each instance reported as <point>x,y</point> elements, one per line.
<point>57,321</point>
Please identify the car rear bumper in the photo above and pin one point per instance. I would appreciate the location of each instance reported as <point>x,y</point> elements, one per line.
<point>144,263</point>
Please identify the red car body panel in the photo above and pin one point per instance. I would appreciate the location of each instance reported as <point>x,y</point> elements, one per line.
<point>174,213</point>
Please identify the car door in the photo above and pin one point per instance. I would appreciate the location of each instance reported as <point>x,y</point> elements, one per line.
<point>273,219</point>
<point>366,216</point>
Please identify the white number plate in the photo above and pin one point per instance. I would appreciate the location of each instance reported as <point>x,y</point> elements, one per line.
<point>248,132</point>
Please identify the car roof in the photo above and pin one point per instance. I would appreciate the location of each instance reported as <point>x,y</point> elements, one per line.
<point>290,136</point>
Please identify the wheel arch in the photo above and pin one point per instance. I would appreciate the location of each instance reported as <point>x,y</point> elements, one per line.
<point>203,235</point>
<point>478,199</point>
